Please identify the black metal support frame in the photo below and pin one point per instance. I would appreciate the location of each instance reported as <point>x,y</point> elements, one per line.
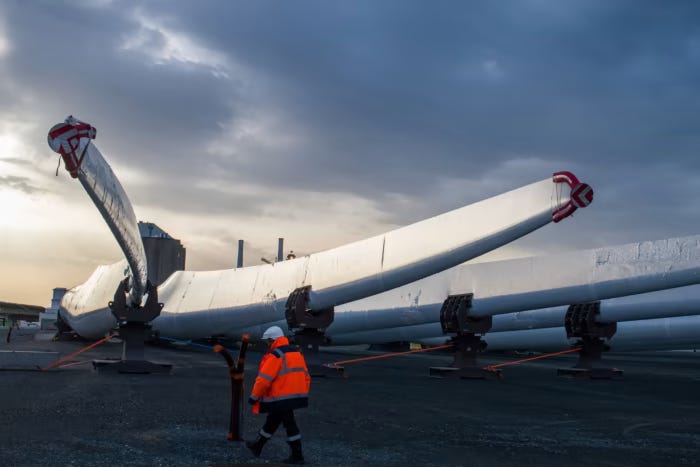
<point>467,330</point>
<point>581,322</point>
<point>309,327</point>
<point>134,330</point>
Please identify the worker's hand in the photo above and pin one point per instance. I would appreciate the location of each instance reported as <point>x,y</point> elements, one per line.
<point>251,401</point>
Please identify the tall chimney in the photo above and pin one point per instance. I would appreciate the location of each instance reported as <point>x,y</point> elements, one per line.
<point>280,248</point>
<point>239,260</point>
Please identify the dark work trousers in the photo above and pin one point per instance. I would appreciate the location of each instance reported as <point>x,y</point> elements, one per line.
<point>285,417</point>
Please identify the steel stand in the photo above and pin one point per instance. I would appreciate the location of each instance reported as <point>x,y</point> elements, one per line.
<point>309,328</point>
<point>467,330</point>
<point>134,329</point>
<point>581,322</point>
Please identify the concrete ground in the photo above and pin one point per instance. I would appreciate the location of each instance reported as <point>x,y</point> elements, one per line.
<point>386,412</point>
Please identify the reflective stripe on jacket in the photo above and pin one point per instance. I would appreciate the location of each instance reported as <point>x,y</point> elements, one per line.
<point>283,380</point>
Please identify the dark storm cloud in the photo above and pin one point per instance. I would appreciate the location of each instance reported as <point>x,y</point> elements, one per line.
<point>71,60</point>
<point>393,90</point>
<point>386,98</point>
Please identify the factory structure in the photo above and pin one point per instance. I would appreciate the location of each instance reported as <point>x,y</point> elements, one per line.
<point>164,254</point>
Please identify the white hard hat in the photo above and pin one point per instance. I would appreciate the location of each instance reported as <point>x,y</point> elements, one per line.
<point>272,332</point>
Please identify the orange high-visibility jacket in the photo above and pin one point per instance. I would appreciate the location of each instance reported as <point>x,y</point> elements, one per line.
<point>283,380</point>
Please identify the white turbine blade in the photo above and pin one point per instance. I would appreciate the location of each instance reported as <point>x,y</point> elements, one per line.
<point>72,139</point>
<point>200,304</point>
<point>679,333</point>
<point>509,286</point>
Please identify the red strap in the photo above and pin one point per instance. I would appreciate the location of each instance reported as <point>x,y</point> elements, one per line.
<point>64,138</point>
<point>580,197</point>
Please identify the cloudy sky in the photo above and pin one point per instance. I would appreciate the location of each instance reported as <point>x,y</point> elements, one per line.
<point>326,122</point>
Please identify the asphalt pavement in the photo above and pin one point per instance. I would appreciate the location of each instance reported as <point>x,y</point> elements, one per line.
<point>384,412</point>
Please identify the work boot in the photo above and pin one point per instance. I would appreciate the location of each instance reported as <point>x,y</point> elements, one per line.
<point>296,457</point>
<point>257,445</point>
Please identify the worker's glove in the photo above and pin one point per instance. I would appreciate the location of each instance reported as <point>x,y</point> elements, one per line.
<point>251,401</point>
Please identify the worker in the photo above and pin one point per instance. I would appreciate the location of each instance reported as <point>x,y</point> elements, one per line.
<point>282,385</point>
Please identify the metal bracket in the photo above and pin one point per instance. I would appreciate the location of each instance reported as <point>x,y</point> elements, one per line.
<point>581,322</point>
<point>125,313</point>
<point>134,329</point>
<point>454,316</point>
<point>455,319</point>
<point>300,316</point>
<point>309,329</point>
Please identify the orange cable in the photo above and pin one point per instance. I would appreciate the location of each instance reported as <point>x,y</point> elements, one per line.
<point>84,349</point>
<point>67,365</point>
<point>394,354</point>
<point>514,362</point>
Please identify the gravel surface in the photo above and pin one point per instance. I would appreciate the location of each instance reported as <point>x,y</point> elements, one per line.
<point>385,412</point>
